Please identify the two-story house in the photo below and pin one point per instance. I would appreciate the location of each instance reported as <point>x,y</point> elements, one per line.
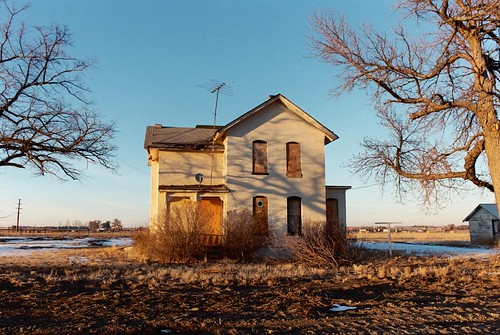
<point>270,160</point>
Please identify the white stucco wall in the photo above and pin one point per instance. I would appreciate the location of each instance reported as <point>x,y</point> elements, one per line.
<point>180,167</point>
<point>277,126</point>
<point>339,193</point>
<point>153,203</point>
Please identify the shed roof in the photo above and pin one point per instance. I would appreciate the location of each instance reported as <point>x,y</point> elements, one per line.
<point>491,208</point>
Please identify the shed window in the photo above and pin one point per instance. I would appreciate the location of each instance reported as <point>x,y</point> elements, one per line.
<point>293,161</point>
<point>259,157</point>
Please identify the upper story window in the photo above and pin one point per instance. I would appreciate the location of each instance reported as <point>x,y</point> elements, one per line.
<point>293,160</point>
<point>259,157</point>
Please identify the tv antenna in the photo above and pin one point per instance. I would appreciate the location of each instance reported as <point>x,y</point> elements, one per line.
<point>217,87</point>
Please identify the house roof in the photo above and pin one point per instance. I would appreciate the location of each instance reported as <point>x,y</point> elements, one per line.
<point>491,208</point>
<point>178,137</point>
<point>202,137</point>
<point>329,135</point>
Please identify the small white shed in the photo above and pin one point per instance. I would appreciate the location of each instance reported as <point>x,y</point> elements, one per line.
<point>483,224</point>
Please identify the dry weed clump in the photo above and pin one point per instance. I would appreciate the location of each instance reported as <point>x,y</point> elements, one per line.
<point>320,245</point>
<point>176,238</point>
<point>243,237</point>
<point>184,237</point>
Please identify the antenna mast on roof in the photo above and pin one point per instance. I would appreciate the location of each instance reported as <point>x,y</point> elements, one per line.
<point>216,87</point>
<point>216,91</point>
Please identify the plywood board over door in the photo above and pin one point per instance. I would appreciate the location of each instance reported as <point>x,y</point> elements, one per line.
<point>210,211</point>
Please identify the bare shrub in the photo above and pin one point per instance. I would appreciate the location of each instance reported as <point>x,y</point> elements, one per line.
<point>179,237</point>
<point>320,245</point>
<point>243,236</point>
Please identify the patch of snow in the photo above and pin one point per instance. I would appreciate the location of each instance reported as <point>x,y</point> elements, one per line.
<point>341,308</point>
<point>23,246</point>
<point>119,242</point>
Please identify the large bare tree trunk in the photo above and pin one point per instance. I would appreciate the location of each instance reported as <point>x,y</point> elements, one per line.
<point>492,148</point>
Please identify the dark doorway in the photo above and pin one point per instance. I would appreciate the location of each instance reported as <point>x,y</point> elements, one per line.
<point>294,216</point>
<point>332,217</point>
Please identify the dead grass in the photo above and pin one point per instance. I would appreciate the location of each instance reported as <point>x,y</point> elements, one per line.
<point>432,269</point>
<point>109,265</point>
<point>459,236</point>
<point>105,290</point>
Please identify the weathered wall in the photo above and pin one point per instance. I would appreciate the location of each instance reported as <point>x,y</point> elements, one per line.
<point>180,168</point>
<point>153,203</point>
<point>277,126</point>
<point>481,227</point>
<point>339,193</point>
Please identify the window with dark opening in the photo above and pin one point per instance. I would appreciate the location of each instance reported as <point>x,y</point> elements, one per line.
<point>294,216</point>
<point>293,161</point>
<point>259,157</point>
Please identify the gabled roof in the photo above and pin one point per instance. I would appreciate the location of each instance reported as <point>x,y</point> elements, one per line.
<point>491,208</point>
<point>329,135</point>
<point>202,137</point>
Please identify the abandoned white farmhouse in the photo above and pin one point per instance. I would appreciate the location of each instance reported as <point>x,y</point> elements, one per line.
<point>270,160</point>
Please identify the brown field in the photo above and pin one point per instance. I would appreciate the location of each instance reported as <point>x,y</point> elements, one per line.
<point>446,237</point>
<point>105,291</point>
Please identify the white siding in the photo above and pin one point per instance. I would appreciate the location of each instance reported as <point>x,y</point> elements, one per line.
<point>340,195</point>
<point>180,167</point>
<point>277,126</point>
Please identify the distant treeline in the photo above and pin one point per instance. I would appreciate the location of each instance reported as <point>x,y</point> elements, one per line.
<point>415,228</point>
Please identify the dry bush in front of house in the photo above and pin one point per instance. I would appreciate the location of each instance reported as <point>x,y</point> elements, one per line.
<point>243,237</point>
<point>177,238</point>
<point>321,245</point>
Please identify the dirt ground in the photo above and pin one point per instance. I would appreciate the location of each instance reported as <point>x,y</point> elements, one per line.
<point>104,294</point>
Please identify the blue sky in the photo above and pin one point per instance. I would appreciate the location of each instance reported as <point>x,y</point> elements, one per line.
<point>151,57</point>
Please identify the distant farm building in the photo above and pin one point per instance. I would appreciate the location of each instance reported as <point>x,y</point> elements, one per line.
<point>483,224</point>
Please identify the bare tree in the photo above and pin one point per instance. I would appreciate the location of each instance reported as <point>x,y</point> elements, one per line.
<point>437,94</point>
<point>40,83</point>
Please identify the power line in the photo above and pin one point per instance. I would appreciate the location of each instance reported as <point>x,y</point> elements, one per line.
<point>365,186</point>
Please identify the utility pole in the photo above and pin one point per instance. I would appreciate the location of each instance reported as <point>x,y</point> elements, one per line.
<point>18,213</point>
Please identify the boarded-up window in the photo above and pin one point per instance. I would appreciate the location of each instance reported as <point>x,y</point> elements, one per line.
<point>259,157</point>
<point>293,163</point>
